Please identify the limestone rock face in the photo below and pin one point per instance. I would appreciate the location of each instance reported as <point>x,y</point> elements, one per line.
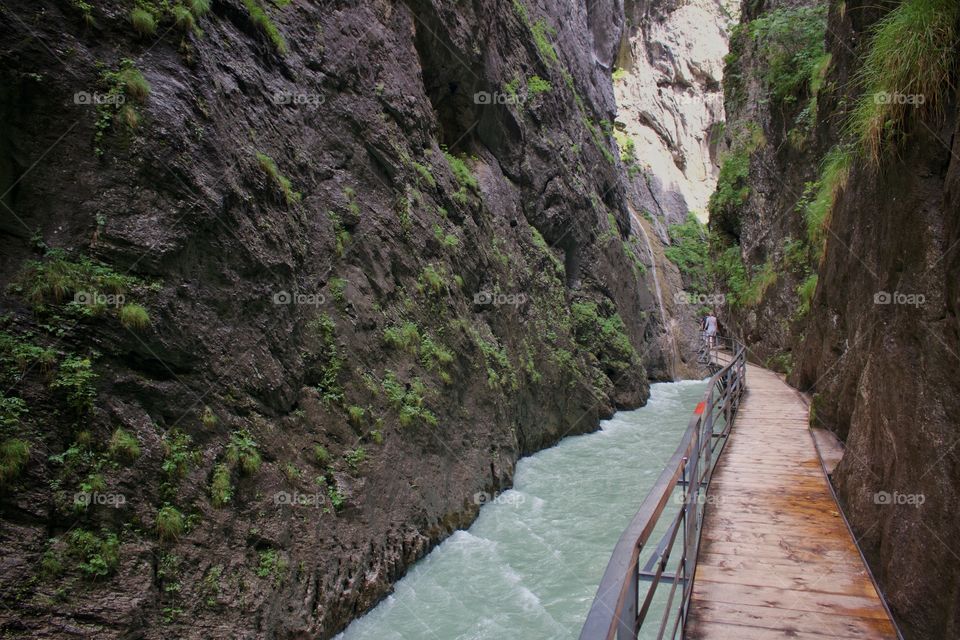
<point>669,96</point>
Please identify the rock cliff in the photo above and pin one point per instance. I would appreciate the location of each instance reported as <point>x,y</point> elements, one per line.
<point>286,284</point>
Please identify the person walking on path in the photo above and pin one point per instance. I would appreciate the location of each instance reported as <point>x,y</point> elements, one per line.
<point>710,328</point>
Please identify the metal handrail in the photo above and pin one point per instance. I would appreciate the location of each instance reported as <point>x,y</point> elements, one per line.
<point>617,610</point>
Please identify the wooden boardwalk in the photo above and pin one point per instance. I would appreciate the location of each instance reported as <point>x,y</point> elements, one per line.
<point>776,559</point>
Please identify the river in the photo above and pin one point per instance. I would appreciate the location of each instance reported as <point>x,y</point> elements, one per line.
<point>529,565</point>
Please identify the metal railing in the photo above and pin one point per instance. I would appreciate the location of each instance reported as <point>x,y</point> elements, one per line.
<point>619,609</point>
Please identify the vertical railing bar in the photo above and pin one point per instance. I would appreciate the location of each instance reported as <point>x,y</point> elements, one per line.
<point>661,567</point>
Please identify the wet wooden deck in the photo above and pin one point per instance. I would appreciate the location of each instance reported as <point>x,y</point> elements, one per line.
<point>777,560</point>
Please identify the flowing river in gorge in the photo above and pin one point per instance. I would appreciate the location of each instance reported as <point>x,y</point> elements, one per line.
<point>529,565</point>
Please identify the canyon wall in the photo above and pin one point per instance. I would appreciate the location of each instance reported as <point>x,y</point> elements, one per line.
<point>286,285</point>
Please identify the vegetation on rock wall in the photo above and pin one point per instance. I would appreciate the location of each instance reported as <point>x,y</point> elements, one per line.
<point>296,262</point>
<point>689,250</point>
<point>907,73</point>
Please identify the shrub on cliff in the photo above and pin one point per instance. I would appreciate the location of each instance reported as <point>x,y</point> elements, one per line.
<point>605,337</point>
<point>689,251</point>
<point>98,556</point>
<point>77,378</point>
<point>733,187</point>
<point>791,41</point>
<point>242,451</point>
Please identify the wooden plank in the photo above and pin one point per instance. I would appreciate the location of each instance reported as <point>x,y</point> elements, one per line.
<point>713,630</point>
<point>732,561</point>
<point>851,584</point>
<point>790,599</point>
<point>776,559</point>
<point>788,620</point>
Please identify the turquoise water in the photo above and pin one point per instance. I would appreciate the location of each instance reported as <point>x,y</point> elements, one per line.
<point>529,565</point>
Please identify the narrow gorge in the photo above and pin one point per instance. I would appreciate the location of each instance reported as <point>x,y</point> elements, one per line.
<point>288,288</point>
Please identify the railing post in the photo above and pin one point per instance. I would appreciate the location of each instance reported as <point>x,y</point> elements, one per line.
<point>627,625</point>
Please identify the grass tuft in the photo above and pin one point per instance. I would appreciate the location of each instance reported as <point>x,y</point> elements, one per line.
<point>463,174</point>
<point>259,17</point>
<point>806,290</point>
<point>14,454</point>
<point>834,172</point>
<point>405,337</point>
<point>134,317</point>
<point>220,489</point>
<point>199,8</point>
<point>183,18</point>
<point>123,446</point>
<point>169,523</point>
<point>321,454</point>
<point>144,22</point>
<point>273,172</point>
<point>133,83</point>
<point>907,74</point>
<point>208,418</point>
